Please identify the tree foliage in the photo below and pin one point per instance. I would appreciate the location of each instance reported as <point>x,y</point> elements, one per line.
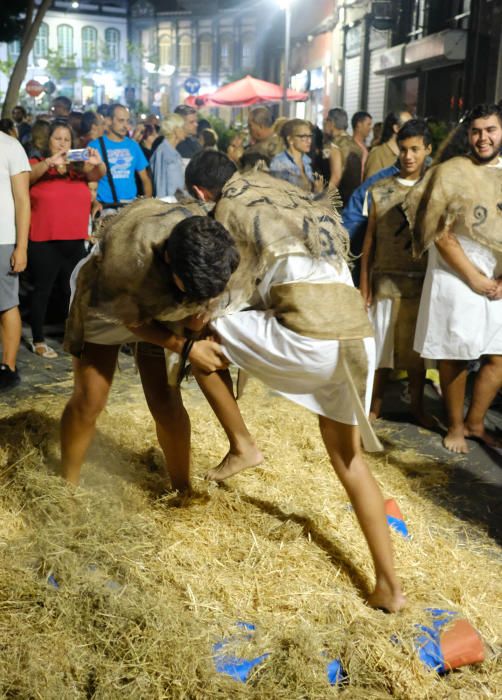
<point>23,19</point>
<point>12,16</point>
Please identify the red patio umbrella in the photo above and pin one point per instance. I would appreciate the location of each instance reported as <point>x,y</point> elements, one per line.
<point>243,93</point>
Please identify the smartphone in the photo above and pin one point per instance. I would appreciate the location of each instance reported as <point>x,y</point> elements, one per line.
<point>75,154</point>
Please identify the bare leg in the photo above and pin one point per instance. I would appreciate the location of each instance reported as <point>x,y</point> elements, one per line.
<point>10,325</point>
<point>93,375</point>
<point>453,378</point>
<point>416,379</point>
<point>171,419</point>
<point>243,452</point>
<point>487,384</point>
<point>379,383</point>
<point>343,445</point>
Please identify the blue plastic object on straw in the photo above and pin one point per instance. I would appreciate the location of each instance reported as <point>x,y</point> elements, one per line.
<point>398,525</point>
<point>52,581</point>
<point>428,644</point>
<point>336,672</point>
<point>236,667</point>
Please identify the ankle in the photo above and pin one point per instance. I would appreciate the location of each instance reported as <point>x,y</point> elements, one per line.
<point>456,428</point>
<point>392,585</point>
<point>242,445</point>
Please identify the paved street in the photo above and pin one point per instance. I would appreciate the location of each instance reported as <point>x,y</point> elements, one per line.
<point>473,490</point>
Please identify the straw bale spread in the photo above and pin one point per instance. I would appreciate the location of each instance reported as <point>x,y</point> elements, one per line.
<point>118,591</point>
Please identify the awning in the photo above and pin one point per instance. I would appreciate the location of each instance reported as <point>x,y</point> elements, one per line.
<point>243,93</point>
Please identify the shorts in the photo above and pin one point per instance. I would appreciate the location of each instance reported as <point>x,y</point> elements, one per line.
<point>9,282</point>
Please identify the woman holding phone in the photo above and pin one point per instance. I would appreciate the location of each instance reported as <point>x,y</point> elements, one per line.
<point>60,209</point>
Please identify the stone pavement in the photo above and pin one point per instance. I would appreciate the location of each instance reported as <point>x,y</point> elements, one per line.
<point>474,488</point>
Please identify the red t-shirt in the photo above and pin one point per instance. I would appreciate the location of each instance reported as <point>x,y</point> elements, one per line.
<point>60,206</point>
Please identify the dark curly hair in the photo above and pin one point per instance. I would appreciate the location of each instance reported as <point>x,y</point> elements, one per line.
<point>203,255</point>
<point>482,111</point>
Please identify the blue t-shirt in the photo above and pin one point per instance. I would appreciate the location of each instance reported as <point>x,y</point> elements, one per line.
<point>125,158</point>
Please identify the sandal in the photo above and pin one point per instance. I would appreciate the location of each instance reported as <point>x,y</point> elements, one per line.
<point>43,350</point>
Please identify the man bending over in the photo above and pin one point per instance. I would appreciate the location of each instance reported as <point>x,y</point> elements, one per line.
<point>307,336</point>
<point>154,273</point>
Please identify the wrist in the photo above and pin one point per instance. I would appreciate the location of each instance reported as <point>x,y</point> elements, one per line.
<point>175,343</point>
<point>473,277</point>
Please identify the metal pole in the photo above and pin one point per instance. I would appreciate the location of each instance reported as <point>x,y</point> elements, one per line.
<point>287,42</point>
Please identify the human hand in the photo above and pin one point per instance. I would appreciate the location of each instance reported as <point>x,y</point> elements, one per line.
<point>94,157</point>
<point>319,183</point>
<point>56,159</point>
<point>18,260</point>
<point>207,356</point>
<point>498,294</point>
<point>481,284</point>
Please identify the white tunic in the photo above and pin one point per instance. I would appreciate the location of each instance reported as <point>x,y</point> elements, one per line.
<point>455,323</point>
<point>305,370</point>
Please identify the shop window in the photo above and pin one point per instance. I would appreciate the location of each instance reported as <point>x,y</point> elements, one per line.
<point>226,52</point>
<point>248,51</point>
<point>65,41</point>
<point>185,44</point>
<point>14,49</point>
<point>41,45</point>
<point>205,52</point>
<point>112,42</point>
<point>89,43</point>
<point>165,50</point>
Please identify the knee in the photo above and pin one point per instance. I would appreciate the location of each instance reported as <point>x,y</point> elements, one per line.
<point>167,408</point>
<point>86,406</point>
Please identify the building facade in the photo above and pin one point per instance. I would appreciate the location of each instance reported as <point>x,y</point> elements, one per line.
<point>187,47</point>
<point>436,58</point>
<point>81,50</point>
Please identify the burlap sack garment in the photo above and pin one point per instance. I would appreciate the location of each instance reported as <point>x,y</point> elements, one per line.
<point>396,274</point>
<point>459,195</point>
<point>126,280</point>
<point>270,218</point>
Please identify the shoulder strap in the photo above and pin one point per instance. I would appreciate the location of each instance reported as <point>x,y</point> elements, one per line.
<point>108,170</point>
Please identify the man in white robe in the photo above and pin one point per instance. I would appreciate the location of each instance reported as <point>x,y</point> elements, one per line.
<point>459,222</point>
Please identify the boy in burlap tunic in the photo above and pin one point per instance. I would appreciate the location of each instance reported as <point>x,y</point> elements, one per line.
<point>391,280</point>
<point>153,275</point>
<point>303,331</point>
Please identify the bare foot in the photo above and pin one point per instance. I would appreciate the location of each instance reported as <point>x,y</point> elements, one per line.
<point>233,463</point>
<point>454,441</point>
<point>481,434</point>
<point>423,419</point>
<point>387,598</point>
<point>373,417</point>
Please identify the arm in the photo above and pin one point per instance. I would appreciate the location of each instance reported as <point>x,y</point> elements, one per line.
<point>335,166</point>
<point>453,254</point>
<point>21,192</point>
<point>205,354</point>
<point>94,168</point>
<point>367,258</point>
<point>39,169</point>
<point>146,182</point>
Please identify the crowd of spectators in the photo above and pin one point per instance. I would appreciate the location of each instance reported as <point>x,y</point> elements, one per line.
<point>124,160</point>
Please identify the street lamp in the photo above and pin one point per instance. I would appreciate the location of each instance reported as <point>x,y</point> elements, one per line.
<point>286,6</point>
